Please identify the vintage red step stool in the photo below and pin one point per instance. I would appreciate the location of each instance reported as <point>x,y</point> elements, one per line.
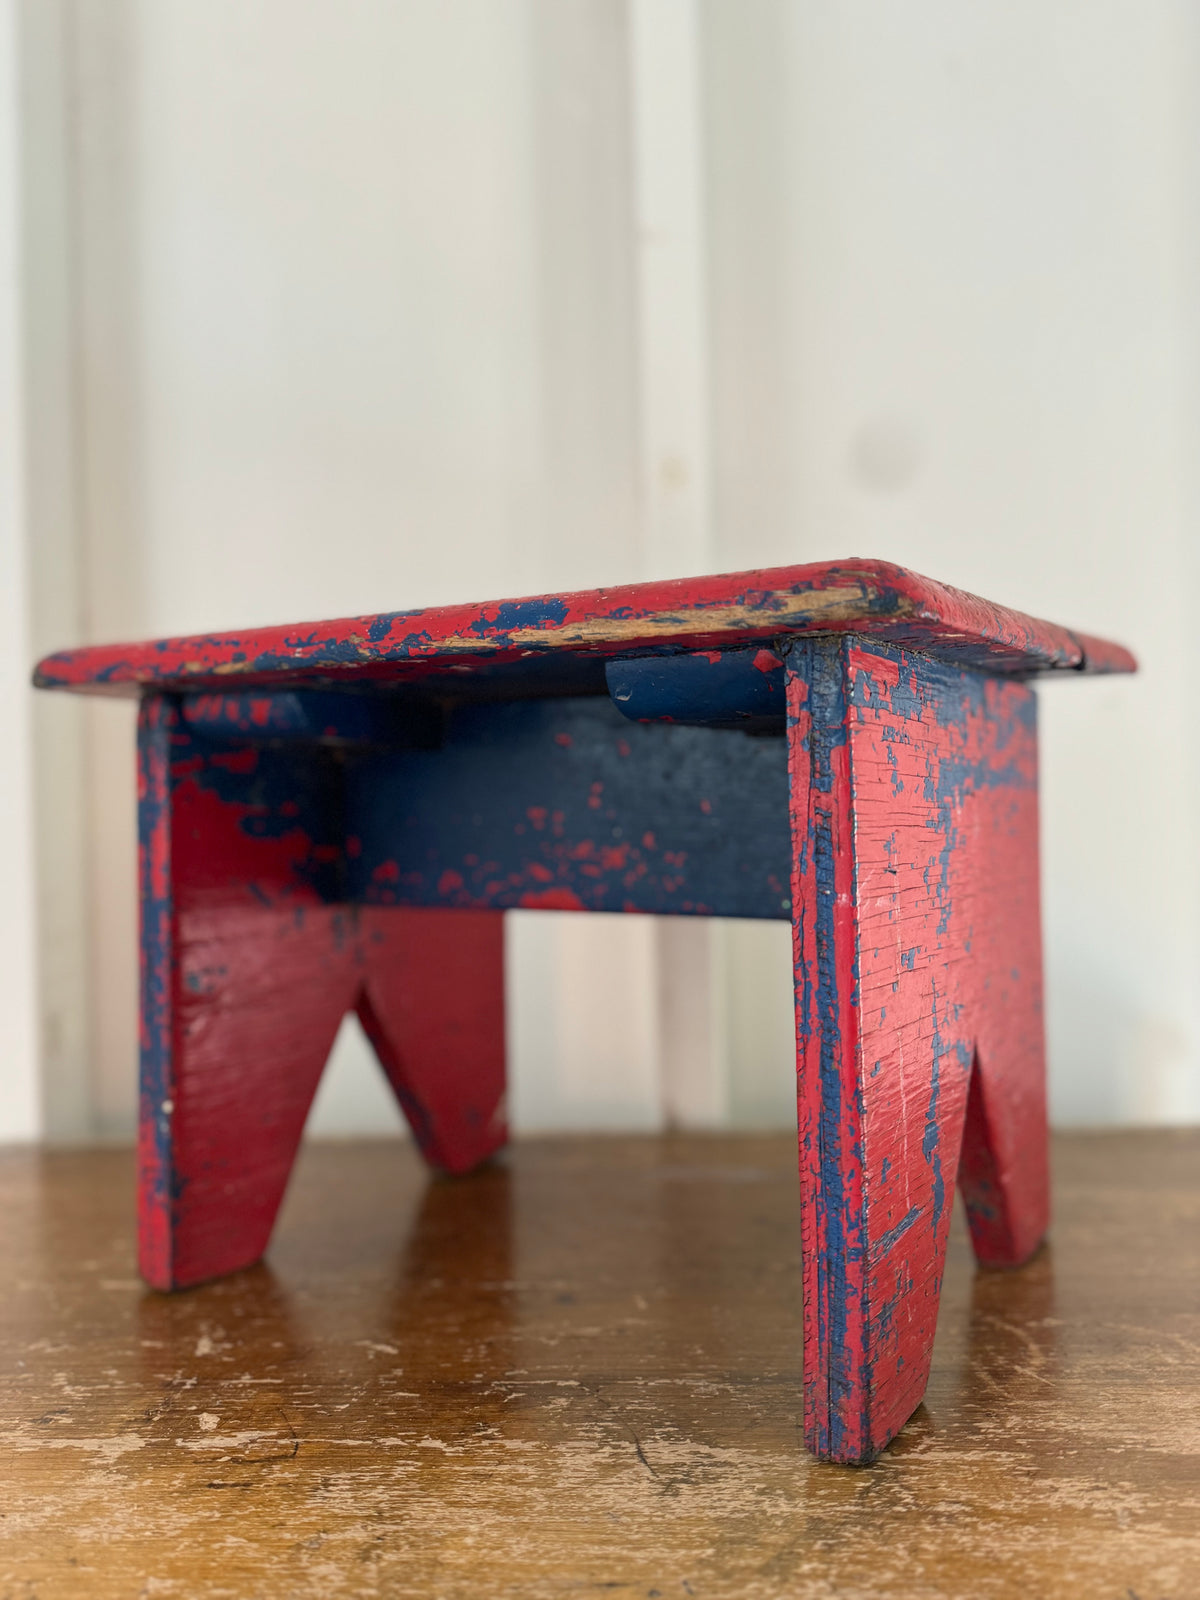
<point>336,815</point>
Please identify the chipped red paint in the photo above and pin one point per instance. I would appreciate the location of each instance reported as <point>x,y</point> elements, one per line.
<point>918,972</point>
<point>551,900</point>
<point>260,991</point>
<point>864,597</point>
<point>334,817</point>
<point>250,961</point>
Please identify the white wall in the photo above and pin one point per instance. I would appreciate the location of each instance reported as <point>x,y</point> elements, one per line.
<point>19,1109</point>
<point>377,303</point>
<point>360,327</point>
<point>970,332</point>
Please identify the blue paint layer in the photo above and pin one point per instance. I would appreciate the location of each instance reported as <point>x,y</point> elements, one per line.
<point>314,716</point>
<point>156,724</point>
<point>821,665</point>
<point>730,688</point>
<point>884,1242</point>
<point>558,804</point>
<point>563,804</point>
<point>545,612</point>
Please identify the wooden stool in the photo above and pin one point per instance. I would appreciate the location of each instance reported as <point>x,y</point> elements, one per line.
<point>334,816</point>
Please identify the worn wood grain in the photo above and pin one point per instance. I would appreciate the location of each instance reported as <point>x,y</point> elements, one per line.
<point>576,1372</point>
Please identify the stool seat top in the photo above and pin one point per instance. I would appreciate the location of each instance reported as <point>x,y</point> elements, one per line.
<point>558,644</point>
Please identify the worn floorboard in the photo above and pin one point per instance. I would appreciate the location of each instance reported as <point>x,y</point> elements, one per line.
<point>578,1372</point>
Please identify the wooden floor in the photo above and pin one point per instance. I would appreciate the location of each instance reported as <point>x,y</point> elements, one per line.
<point>577,1373</point>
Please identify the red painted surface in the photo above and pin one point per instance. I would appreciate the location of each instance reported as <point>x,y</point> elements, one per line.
<point>772,604</point>
<point>260,993</point>
<point>246,976</point>
<point>918,980</point>
<point>433,1007</point>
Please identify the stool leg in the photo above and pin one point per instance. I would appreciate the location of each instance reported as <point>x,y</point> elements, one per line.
<point>918,1003</point>
<point>1003,1171</point>
<point>246,976</point>
<point>260,1001</point>
<point>433,1007</point>
<point>249,963</point>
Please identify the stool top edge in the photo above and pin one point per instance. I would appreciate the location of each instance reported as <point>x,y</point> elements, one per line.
<point>766,605</point>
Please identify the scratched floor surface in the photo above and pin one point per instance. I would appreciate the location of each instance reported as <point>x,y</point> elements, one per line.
<point>577,1373</point>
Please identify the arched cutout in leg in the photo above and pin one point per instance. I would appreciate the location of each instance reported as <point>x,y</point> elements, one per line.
<point>433,1007</point>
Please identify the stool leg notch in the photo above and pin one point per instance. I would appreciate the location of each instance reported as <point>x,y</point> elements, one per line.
<point>433,1007</point>
<point>913,791</point>
<point>247,972</point>
<point>1003,1171</point>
